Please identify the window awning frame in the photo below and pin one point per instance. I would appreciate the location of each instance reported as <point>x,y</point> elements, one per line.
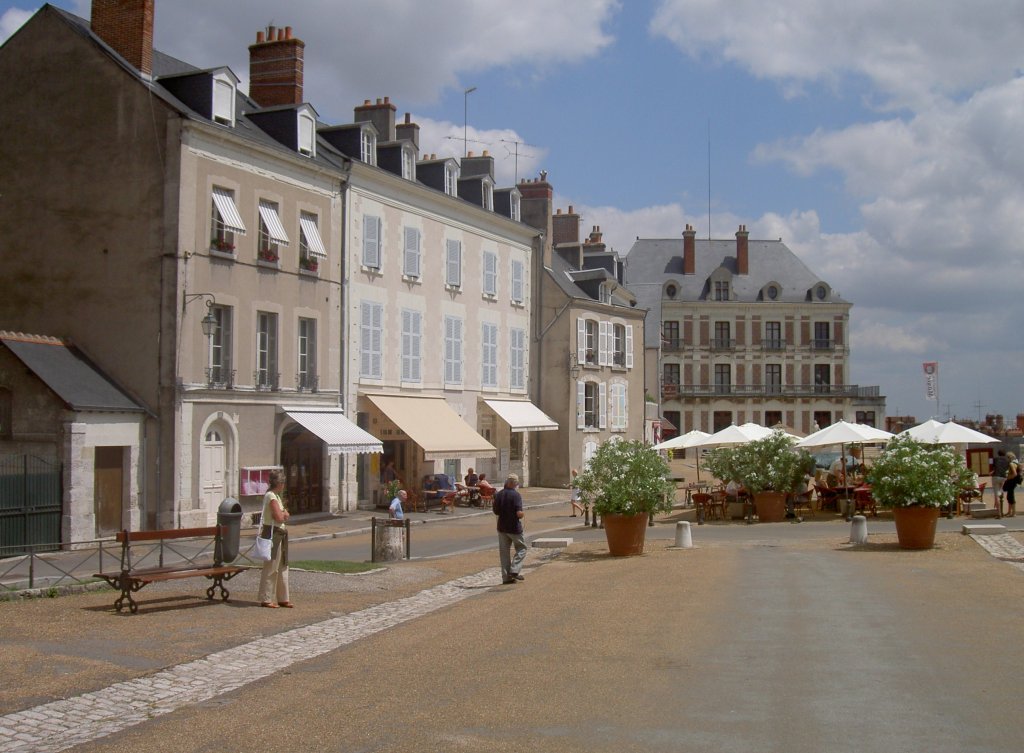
<point>227,210</point>
<point>434,425</point>
<point>340,434</point>
<point>273,222</point>
<point>522,415</point>
<point>312,235</point>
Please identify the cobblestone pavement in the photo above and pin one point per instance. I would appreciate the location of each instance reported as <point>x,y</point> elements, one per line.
<point>73,721</point>
<point>1003,547</point>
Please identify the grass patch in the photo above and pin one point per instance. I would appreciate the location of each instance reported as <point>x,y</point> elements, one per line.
<point>333,566</point>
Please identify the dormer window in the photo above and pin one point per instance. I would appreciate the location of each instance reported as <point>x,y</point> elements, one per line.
<point>224,99</point>
<point>721,290</point>
<point>307,135</point>
<point>488,195</point>
<point>451,179</point>
<point>368,147</point>
<point>408,164</point>
<point>514,206</point>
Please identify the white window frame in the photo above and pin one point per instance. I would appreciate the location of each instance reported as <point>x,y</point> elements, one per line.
<point>412,337</point>
<point>488,355</point>
<point>617,406</point>
<point>451,179</point>
<point>225,221</point>
<point>488,194</point>
<point>305,368</point>
<point>517,282</point>
<point>311,245</point>
<point>629,346</point>
<point>267,371</point>
<point>272,233</point>
<point>517,358</point>
<point>306,135</point>
<point>368,146</point>
<point>371,339</point>
<point>408,163</point>
<point>411,253</point>
<point>453,263</point>
<point>222,106</point>
<point>453,326</point>
<point>490,274</point>
<point>371,242</point>
<point>514,206</point>
<point>219,354</point>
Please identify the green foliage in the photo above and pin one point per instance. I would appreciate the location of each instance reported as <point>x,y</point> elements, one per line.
<point>391,489</point>
<point>910,473</point>
<point>769,464</point>
<point>626,478</point>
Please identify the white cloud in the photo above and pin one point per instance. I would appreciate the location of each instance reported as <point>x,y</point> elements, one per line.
<point>909,50</point>
<point>12,20</point>
<point>444,138</point>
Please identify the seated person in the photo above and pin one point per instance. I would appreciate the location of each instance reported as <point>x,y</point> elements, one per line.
<point>471,485</point>
<point>471,478</point>
<point>486,488</point>
<point>837,472</point>
<point>732,491</point>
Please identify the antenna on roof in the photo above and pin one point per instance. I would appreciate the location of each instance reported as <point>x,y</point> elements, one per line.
<point>525,154</point>
<point>709,179</point>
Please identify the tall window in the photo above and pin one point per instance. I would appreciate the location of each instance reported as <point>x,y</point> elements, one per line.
<point>772,417</point>
<point>411,265</point>
<point>670,335</point>
<point>721,419</point>
<point>591,405</point>
<point>453,264</point>
<point>517,281</point>
<point>517,359</point>
<point>772,336</point>
<point>722,338</point>
<point>722,290</point>
<point>368,147</point>
<point>822,378</point>
<point>590,340</point>
<point>307,135</point>
<point>489,355</point>
<point>822,418</point>
<point>408,165</point>
<point>822,339</point>
<point>617,406</point>
<point>619,344</point>
<point>223,100</point>
<point>411,334</point>
<point>866,417</point>
<point>224,221</point>
<point>514,206</point>
<point>371,241</point>
<point>311,246</point>
<point>306,377</point>
<point>773,378</point>
<point>670,374</point>
<point>490,281</point>
<point>371,332</point>
<point>723,377</point>
<point>452,350</point>
<point>272,234</point>
<point>488,189</point>
<point>451,179</point>
<point>267,374</point>
<point>220,373</point>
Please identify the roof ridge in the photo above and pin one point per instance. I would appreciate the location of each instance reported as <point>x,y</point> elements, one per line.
<point>26,337</point>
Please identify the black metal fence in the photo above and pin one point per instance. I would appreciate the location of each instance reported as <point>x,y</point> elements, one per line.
<point>30,503</point>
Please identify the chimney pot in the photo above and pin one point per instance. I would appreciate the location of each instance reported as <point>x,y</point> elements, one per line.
<point>570,210</point>
<point>469,154</point>
<point>287,32</point>
<point>271,33</point>
<point>259,37</point>
<point>275,70</point>
<point>408,117</point>
<point>558,211</point>
<point>486,154</point>
<point>387,100</point>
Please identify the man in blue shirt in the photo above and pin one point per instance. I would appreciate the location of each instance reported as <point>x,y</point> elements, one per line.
<point>508,506</point>
<point>395,508</point>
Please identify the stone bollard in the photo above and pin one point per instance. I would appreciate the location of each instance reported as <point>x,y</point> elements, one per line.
<point>859,530</point>
<point>683,538</point>
<point>389,540</point>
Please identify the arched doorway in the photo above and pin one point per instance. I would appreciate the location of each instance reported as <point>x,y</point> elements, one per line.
<point>213,468</point>
<point>302,454</point>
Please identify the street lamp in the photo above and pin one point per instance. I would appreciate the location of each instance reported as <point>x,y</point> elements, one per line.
<point>208,322</point>
<point>465,120</point>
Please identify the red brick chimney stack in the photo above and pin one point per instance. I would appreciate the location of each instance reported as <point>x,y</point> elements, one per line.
<point>127,26</point>
<point>742,259</point>
<point>689,250</point>
<point>275,67</point>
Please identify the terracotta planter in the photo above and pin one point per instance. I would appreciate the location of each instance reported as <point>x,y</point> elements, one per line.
<point>770,506</point>
<point>915,526</point>
<point>625,533</point>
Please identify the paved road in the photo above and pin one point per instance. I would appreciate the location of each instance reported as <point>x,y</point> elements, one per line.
<point>783,642</point>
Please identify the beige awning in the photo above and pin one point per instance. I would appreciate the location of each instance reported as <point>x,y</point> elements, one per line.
<point>432,424</point>
<point>339,434</point>
<point>522,415</point>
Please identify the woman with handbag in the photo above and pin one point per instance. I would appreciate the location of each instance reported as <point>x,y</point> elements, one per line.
<point>1013,478</point>
<point>275,570</point>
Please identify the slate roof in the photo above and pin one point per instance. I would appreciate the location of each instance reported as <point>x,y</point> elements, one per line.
<point>69,374</point>
<point>653,262</point>
<point>565,277</point>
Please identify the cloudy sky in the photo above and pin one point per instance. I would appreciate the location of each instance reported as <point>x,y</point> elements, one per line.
<point>880,140</point>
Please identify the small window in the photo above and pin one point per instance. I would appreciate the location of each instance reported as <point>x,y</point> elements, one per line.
<point>670,291</point>
<point>368,147</point>
<point>773,292</point>
<point>821,292</point>
<point>307,135</point>
<point>514,206</point>
<point>488,191</point>
<point>213,436</point>
<point>408,164</point>
<point>722,290</point>
<point>451,179</point>
<point>223,101</point>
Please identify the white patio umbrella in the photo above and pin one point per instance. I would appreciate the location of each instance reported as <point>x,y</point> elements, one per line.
<point>843,433</point>
<point>936,432</point>
<point>734,435</point>
<point>683,441</point>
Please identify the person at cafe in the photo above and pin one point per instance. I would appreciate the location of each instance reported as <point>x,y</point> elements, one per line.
<point>486,487</point>
<point>471,480</point>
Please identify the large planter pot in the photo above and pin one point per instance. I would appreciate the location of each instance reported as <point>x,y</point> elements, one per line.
<point>915,526</point>
<point>625,533</point>
<point>770,506</point>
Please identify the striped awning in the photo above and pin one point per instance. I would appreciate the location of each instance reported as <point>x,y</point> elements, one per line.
<point>339,434</point>
<point>312,235</point>
<point>227,210</point>
<point>273,222</point>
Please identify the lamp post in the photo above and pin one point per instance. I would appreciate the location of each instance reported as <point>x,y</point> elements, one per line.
<point>208,322</point>
<point>465,120</point>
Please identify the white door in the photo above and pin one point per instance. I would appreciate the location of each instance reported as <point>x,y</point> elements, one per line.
<point>212,461</point>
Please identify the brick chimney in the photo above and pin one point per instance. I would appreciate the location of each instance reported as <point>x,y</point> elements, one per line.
<point>127,26</point>
<point>409,131</point>
<point>595,236</point>
<point>742,260</point>
<point>381,114</point>
<point>536,199</point>
<point>565,227</point>
<point>275,67</point>
<point>689,250</point>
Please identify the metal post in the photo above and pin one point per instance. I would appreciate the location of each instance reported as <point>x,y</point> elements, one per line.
<point>31,568</point>
<point>408,540</point>
<point>373,539</point>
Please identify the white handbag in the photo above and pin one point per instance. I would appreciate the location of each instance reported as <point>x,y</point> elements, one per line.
<point>261,552</point>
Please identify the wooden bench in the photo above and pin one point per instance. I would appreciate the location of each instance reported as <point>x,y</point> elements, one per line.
<point>131,579</point>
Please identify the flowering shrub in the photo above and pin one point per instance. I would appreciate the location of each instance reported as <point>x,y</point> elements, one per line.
<point>267,254</point>
<point>763,465</point>
<point>910,473</point>
<point>308,263</point>
<point>627,478</point>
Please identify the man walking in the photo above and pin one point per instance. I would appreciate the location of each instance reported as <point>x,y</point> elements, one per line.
<point>508,506</point>
<point>395,511</point>
<point>1000,467</point>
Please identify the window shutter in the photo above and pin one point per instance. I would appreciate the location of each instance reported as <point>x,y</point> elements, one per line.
<point>457,371</point>
<point>602,403</point>
<point>602,353</point>
<point>412,252</point>
<point>490,273</point>
<point>517,281</point>
<point>624,412</point>
<point>629,346</point>
<point>406,347</point>
<point>453,275</point>
<point>416,322</point>
<point>371,241</point>
<point>365,339</point>
<point>581,340</point>
<point>581,400</point>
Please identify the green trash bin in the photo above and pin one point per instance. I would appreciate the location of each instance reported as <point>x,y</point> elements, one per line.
<point>229,514</point>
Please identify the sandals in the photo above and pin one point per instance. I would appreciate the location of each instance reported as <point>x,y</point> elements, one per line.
<point>286,604</point>
<point>268,605</point>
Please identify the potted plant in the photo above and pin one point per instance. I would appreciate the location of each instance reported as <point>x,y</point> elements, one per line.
<point>626,481</point>
<point>308,263</point>
<point>267,255</point>
<point>220,244</point>
<point>915,480</point>
<point>769,469</point>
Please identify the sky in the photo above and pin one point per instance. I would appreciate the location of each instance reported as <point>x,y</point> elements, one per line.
<point>881,141</point>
